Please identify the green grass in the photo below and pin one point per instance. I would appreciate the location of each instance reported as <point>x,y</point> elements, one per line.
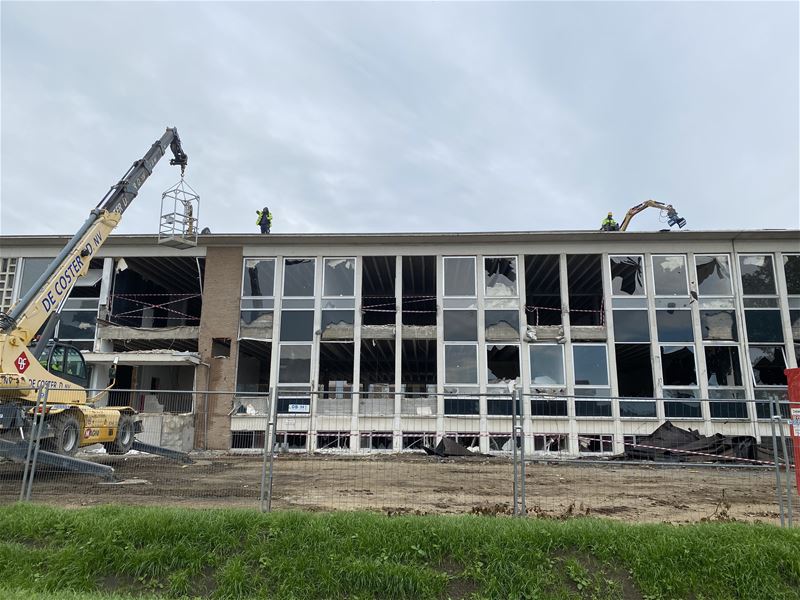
<point>122,552</point>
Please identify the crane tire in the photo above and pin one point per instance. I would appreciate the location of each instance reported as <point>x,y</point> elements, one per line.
<point>66,435</point>
<point>125,435</point>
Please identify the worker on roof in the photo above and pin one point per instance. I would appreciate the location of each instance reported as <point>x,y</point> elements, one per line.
<point>609,224</point>
<point>264,219</point>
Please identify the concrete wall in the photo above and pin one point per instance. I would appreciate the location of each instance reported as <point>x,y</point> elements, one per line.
<point>221,292</point>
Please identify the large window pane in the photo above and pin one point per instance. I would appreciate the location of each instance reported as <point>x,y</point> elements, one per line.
<point>674,325</point>
<point>758,278</point>
<point>718,325</point>
<point>627,276</point>
<point>791,267</point>
<point>259,277</point>
<point>297,325</point>
<point>768,364</point>
<point>631,326</point>
<point>501,276</point>
<point>252,368</point>
<point>459,276</point>
<point>32,269</point>
<point>722,366</point>
<point>295,364</point>
<point>460,325</point>
<point>340,274</point>
<point>763,325</point>
<point>669,273</point>
<point>298,277</point>
<point>637,410</point>
<point>677,364</point>
<point>591,365</point>
<point>713,275</point>
<point>547,364</point>
<point>461,364</point>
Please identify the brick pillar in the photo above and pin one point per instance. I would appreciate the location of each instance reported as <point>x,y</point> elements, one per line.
<point>222,284</point>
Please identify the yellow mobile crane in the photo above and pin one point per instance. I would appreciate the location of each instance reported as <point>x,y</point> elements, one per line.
<point>672,214</point>
<point>71,420</point>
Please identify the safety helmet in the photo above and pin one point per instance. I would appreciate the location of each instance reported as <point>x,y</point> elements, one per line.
<point>610,214</point>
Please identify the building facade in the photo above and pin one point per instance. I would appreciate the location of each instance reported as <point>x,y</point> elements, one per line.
<point>385,342</point>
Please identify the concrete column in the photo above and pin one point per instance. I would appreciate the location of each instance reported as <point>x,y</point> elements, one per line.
<point>397,436</point>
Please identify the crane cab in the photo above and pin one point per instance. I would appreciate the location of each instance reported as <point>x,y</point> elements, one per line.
<point>66,362</point>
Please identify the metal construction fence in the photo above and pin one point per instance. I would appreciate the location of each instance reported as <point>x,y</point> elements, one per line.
<point>403,453</point>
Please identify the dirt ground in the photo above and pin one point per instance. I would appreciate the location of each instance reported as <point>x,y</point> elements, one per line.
<point>403,484</point>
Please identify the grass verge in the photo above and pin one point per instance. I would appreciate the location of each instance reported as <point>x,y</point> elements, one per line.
<point>117,552</point>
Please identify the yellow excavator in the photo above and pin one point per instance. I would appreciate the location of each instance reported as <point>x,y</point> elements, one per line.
<point>70,419</point>
<point>672,215</point>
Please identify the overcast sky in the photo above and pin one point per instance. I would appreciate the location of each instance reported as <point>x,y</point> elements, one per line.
<point>405,117</point>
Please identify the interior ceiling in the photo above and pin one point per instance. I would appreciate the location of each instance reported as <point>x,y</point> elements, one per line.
<point>584,274</point>
<point>256,348</point>
<point>542,274</point>
<point>336,352</point>
<point>419,276</point>
<point>176,274</point>
<point>377,351</point>
<point>378,274</point>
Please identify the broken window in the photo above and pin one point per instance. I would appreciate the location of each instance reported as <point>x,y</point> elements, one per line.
<point>259,277</point>
<point>78,320</point>
<point>415,440</point>
<point>774,402</point>
<point>378,296</point>
<point>337,324</point>
<point>678,366</point>
<point>460,325</point>
<point>419,291</point>
<point>675,407</point>
<point>723,367</point>
<point>768,363</point>
<point>461,363</point>
<point>718,325</point>
<point>631,326</point>
<point>501,324</point>
<point>256,318</point>
<point>333,440</point>
<point>500,443</point>
<point>674,325</point>
<point>376,440</point>
<point>297,325</point>
<point>253,367</point>
<point>627,275</point>
<point>295,364</point>
<point>551,442</point>
<point>763,325</point>
<point>543,290</point>
<point>720,409</point>
<point>339,277</point>
<point>758,278</point>
<point>634,370</point>
<point>291,440</point>
<point>585,284</point>
<point>669,275</point>
<point>298,277</point>
<point>336,369</point>
<point>588,442</point>
<point>459,276</point>
<point>502,364</point>
<point>500,276</point>
<point>220,347</point>
<point>241,440</point>
<point>713,275</point>
<point>791,268</point>
<point>547,365</point>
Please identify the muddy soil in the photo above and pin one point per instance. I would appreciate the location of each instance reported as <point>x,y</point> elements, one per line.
<point>414,484</point>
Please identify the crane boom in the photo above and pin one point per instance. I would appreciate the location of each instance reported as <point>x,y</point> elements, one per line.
<point>55,284</point>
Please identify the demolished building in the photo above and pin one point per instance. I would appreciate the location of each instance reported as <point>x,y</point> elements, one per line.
<point>394,341</point>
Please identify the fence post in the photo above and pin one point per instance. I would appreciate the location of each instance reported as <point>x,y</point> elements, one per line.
<point>37,425</point>
<point>514,511</point>
<point>521,428</point>
<point>775,457</point>
<point>273,426</point>
<point>787,466</point>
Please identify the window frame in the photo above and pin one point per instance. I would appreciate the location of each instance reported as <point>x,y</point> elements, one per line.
<point>685,274</point>
<point>515,260</point>
<point>474,260</point>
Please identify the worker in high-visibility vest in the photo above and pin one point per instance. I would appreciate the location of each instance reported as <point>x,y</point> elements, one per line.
<point>609,224</point>
<point>264,219</point>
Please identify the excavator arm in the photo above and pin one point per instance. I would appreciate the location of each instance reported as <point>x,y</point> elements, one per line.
<point>672,214</point>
